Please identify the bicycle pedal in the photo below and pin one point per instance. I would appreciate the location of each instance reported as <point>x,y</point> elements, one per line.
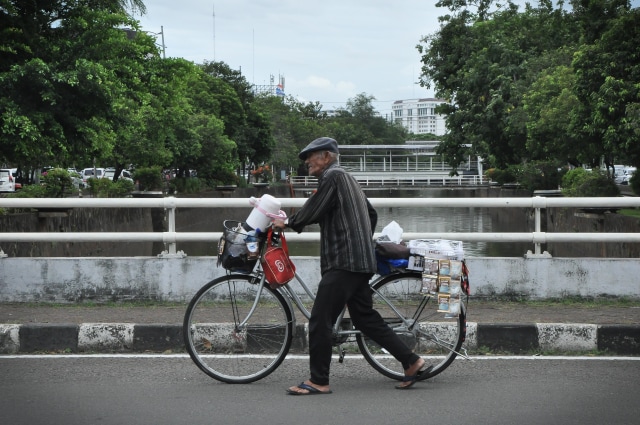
<point>341,357</point>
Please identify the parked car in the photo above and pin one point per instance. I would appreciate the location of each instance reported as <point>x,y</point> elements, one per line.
<point>124,174</point>
<point>623,173</point>
<point>628,173</point>
<point>88,173</point>
<point>7,181</point>
<point>76,178</point>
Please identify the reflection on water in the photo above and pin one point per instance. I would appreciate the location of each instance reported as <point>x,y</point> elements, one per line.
<point>442,220</point>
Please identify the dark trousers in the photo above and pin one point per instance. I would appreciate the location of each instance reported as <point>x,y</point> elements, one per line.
<point>337,288</point>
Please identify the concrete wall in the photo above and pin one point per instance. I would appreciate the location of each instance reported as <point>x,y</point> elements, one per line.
<point>61,280</point>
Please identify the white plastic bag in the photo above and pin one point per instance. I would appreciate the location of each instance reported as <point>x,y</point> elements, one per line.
<point>392,232</point>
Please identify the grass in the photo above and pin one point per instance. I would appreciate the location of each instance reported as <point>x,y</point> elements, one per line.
<point>569,301</point>
<point>630,212</point>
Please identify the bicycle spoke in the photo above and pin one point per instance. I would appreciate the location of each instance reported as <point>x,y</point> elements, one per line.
<point>447,345</point>
<point>236,333</point>
<point>427,332</point>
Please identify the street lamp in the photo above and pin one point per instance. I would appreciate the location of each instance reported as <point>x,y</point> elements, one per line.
<point>163,46</point>
<point>161,33</point>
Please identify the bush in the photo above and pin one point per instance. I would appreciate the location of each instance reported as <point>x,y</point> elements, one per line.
<point>539,175</point>
<point>185,185</point>
<point>106,188</point>
<point>93,186</point>
<point>501,176</point>
<point>149,178</point>
<point>582,183</point>
<point>223,177</point>
<point>57,183</point>
<point>30,191</point>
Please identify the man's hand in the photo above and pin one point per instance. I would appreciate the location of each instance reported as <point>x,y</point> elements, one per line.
<point>279,224</point>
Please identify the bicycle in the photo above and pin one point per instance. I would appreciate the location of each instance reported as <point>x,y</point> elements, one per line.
<point>238,329</point>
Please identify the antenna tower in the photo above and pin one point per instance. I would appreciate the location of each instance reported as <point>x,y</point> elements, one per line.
<point>214,32</point>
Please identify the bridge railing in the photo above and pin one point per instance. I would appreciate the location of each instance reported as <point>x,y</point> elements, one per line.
<point>171,237</point>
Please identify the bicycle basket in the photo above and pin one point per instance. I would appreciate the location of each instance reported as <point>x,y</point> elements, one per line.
<point>237,251</point>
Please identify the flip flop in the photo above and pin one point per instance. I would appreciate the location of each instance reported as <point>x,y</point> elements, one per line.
<point>412,379</point>
<point>311,390</point>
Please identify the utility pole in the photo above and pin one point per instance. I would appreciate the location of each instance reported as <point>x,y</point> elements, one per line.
<point>163,46</point>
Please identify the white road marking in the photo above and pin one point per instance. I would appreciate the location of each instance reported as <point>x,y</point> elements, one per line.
<point>297,357</point>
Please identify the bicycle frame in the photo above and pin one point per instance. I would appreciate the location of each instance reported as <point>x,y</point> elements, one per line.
<point>293,299</point>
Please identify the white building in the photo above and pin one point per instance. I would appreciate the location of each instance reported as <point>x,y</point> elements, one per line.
<point>418,116</point>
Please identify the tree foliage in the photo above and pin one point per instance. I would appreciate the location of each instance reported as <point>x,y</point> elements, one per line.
<point>295,124</point>
<point>81,84</point>
<point>546,83</point>
<point>607,76</point>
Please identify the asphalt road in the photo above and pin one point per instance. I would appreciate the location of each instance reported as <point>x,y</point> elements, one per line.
<point>171,390</point>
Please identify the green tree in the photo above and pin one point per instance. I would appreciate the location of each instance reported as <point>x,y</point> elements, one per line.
<point>359,124</point>
<point>249,130</point>
<point>607,75</point>
<point>549,102</point>
<point>60,76</point>
<point>479,59</point>
<point>293,125</point>
<point>80,84</point>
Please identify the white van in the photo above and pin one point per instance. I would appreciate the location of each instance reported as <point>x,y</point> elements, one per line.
<point>124,174</point>
<point>88,173</point>
<point>7,181</point>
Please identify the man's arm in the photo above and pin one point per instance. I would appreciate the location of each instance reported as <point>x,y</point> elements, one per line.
<point>373,217</point>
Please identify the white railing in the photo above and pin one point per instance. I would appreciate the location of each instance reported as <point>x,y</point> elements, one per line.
<point>306,181</point>
<point>399,179</point>
<point>404,180</point>
<point>171,237</point>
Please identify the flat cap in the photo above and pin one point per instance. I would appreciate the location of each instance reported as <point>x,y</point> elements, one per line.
<point>320,144</point>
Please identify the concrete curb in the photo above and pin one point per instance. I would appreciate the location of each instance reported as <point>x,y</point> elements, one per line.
<point>488,337</point>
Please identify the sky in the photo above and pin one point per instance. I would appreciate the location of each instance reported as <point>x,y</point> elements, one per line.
<point>327,51</point>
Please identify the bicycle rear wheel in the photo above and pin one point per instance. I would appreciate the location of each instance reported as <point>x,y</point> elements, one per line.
<point>434,337</point>
<point>228,341</point>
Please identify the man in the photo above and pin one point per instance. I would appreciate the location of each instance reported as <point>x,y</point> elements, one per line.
<point>347,262</point>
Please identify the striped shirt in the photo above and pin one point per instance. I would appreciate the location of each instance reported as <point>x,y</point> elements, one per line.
<point>347,222</point>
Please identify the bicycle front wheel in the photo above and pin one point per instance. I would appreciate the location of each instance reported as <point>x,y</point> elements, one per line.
<point>433,336</point>
<point>232,335</point>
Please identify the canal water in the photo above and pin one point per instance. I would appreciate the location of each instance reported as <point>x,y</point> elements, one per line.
<point>411,219</point>
<point>444,220</point>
